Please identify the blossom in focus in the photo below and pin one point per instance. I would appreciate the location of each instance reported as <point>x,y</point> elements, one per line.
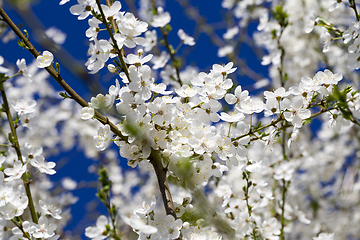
<point>103,138</point>
<point>43,166</point>
<point>44,229</point>
<point>22,107</point>
<point>29,151</point>
<point>297,112</point>
<point>98,232</point>
<point>83,8</point>
<point>112,10</point>
<point>352,32</point>
<point>87,113</point>
<point>28,227</point>
<point>168,227</point>
<point>138,59</point>
<point>15,172</point>
<point>102,102</point>
<point>44,60</point>
<point>231,117</point>
<point>252,105</point>
<point>147,207</point>
<point>51,209</point>
<point>130,28</point>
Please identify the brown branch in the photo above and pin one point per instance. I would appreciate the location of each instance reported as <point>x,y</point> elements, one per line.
<point>155,160</point>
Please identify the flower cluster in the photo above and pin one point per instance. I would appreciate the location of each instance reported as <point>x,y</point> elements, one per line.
<point>230,162</point>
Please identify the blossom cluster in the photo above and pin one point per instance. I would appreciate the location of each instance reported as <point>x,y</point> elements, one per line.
<point>229,163</point>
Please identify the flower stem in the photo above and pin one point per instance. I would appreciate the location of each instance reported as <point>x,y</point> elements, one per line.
<point>123,65</point>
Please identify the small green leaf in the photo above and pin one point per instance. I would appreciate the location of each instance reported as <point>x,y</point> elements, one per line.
<point>22,44</point>
<point>273,34</point>
<point>307,121</point>
<point>168,28</point>
<point>113,210</point>
<point>313,99</point>
<point>11,138</point>
<point>286,77</point>
<point>57,67</point>
<point>154,11</point>
<point>258,125</point>
<point>101,195</point>
<point>281,16</point>
<point>65,95</point>
<point>108,228</point>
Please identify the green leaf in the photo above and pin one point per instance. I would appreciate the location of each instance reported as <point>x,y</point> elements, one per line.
<point>168,28</point>
<point>313,99</point>
<point>101,195</point>
<point>307,121</point>
<point>281,16</point>
<point>330,98</point>
<point>11,138</point>
<point>273,34</point>
<point>104,179</point>
<point>65,95</point>
<point>113,210</point>
<point>339,95</point>
<point>286,77</point>
<point>346,90</point>
<point>177,62</point>
<point>22,44</point>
